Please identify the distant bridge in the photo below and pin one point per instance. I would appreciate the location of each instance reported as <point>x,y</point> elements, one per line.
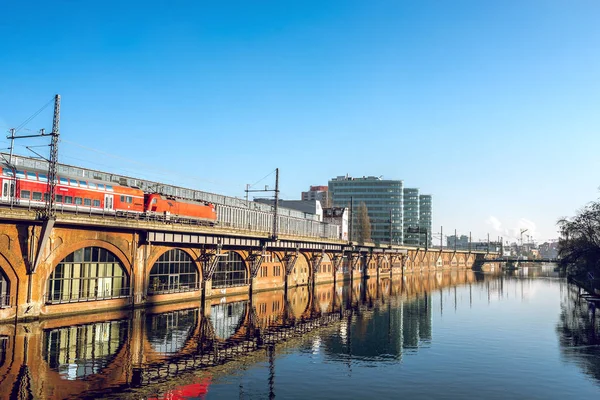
<point>533,260</point>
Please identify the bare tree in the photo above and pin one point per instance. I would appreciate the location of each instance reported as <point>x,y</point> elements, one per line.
<point>579,245</point>
<point>364,224</point>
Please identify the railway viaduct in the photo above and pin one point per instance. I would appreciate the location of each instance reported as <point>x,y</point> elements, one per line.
<point>94,263</point>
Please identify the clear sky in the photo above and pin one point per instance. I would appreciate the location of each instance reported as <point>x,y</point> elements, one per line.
<point>490,106</point>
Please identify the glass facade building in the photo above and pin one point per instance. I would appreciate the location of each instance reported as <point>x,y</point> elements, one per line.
<point>425,217</point>
<point>411,217</point>
<point>384,201</point>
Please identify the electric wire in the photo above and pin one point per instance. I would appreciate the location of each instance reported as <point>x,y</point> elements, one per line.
<point>18,128</point>
<point>262,179</point>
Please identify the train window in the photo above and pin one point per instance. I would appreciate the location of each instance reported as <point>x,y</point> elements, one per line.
<point>78,201</point>
<point>37,195</point>
<point>58,198</point>
<point>96,203</point>
<point>20,174</point>
<point>43,177</point>
<point>31,175</point>
<point>154,201</point>
<point>68,200</point>
<point>83,184</point>
<point>64,181</point>
<point>92,185</point>
<point>73,182</point>
<point>100,186</point>
<point>7,172</point>
<point>122,199</point>
<point>25,194</point>
<point>46,196</point>
<point>129,199</point>
<point>87,202</point>
<point>109,188</point>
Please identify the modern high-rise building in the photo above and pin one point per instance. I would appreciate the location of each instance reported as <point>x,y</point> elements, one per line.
<point>384,201</point>
<point>425,218</point>
<point>411,217</point>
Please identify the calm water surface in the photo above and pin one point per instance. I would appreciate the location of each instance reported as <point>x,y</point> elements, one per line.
<point>450,335</point>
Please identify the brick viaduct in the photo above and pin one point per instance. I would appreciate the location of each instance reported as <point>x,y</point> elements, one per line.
<point>136,246</point>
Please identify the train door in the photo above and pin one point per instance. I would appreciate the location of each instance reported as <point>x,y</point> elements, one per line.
<point>8,189</point>
<point>108,202</point>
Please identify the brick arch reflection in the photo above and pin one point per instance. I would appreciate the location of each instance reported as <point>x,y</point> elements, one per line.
<point>3,349</point>
<point>168,333</point>
<point>228,318</point>
<point>79,351</point>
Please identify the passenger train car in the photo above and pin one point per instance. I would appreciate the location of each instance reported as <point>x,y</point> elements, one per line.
<point>85,190</point>
<point>29,188</point>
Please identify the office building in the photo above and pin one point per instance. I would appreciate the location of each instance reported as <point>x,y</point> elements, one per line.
<point>384,201</point>
<point>425,220</point>
<point>319,193</point>
<point>411,217</point>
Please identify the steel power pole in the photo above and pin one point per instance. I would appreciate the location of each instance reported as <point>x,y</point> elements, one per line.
<point>50,212</point>
<point>276,204</point>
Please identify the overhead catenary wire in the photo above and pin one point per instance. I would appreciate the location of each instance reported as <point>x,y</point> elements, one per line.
<point>22,125</point>
<point>262,179</point>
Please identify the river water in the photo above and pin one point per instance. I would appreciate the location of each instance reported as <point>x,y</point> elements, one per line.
<point>451,335</point>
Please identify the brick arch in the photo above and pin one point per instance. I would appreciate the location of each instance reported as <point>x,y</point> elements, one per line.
<point>303,270</point>
<point>11,275</point>
<point>152,260</point>
<point>53,260</point>
<point>243,259</point>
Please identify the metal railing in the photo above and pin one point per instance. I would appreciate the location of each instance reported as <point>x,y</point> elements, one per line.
<point>165,288</point>
<point>78,297</point>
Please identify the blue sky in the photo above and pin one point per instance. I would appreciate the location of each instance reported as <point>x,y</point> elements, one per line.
<point>491,107</point>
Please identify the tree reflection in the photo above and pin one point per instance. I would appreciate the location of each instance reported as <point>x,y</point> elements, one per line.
<point>578,331</point>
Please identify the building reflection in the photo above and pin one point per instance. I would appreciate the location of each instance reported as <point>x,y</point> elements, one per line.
<point>96,355</point>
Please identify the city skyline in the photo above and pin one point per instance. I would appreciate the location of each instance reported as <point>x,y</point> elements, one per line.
<point>488,107</point>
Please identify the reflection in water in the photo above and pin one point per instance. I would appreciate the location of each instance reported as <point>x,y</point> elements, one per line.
<point>362,335</point>
<point>227,318</point>
<point>3,346</point>
<point>168,332</point>
<point>78,351</point>
<point>579,331</point>
<point>382,334</point>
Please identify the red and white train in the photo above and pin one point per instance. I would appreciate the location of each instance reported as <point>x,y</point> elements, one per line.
<point>29,188</point>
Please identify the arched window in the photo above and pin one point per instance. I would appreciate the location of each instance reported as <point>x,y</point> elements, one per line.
<point>4,290</point>
<point>174,271</point>
<point>79,351</point>
<point>91,273</point>
<point>230,271</point>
